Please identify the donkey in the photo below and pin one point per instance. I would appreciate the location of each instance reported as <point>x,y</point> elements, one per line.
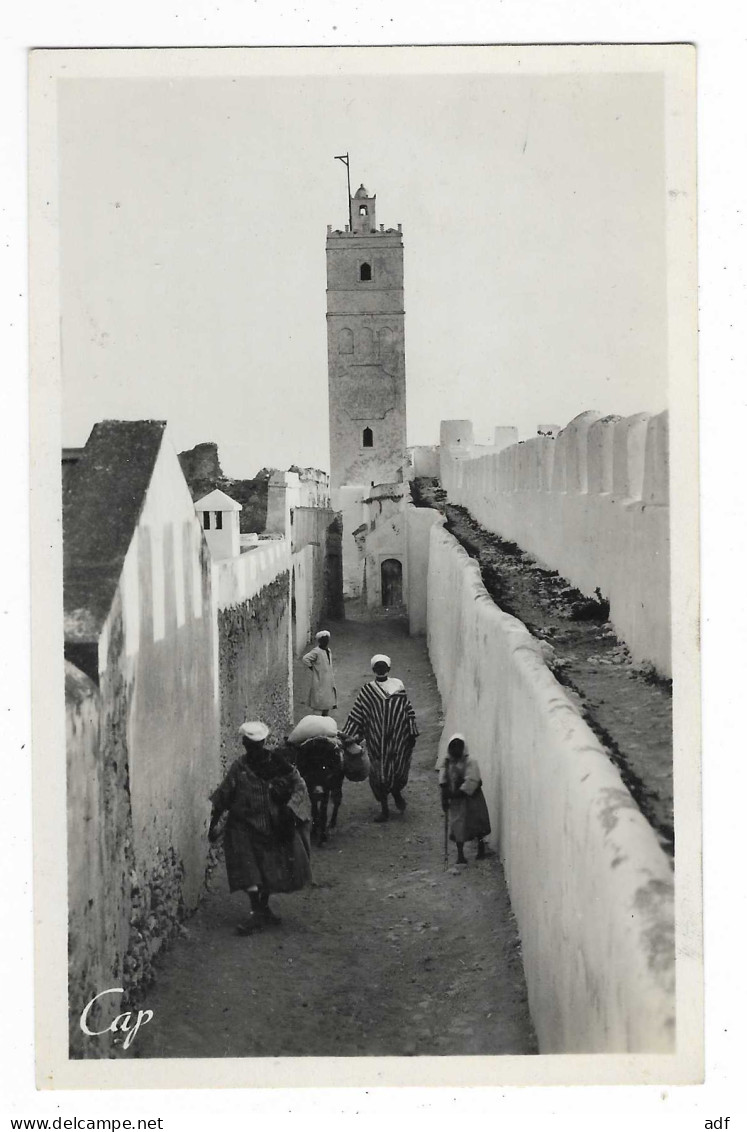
<point>320,764</point>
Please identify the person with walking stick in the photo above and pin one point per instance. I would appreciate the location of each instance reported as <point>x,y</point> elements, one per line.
<point>462,800</point>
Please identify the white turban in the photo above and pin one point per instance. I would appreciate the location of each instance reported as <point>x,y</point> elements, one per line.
<point>381,659</point>
<point>255,730</point>
<point>322,633</point>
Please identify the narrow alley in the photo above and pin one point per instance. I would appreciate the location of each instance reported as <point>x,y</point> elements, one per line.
<point>388,953</point>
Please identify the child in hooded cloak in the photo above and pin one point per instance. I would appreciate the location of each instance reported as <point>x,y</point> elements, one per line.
<point>462,798</point>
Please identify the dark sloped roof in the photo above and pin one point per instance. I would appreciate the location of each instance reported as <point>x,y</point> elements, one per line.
<point>101,506</point>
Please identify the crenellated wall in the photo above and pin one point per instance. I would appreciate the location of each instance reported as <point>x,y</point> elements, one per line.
<point>591,888</point>
<point>593,504</point>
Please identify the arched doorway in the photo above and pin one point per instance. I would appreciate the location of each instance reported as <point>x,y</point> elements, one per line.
<point>391,582</point>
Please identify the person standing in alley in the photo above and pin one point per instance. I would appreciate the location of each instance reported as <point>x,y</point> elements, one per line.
<point>383,716</point>
<point>322,693</point>
<point>266,840</point>
<point>462,798</point>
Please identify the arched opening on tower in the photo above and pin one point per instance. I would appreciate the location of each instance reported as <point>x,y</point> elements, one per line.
<point>365,273</point>
<point>363,211</point>
<point>367,438</point>
<point>391,582</point>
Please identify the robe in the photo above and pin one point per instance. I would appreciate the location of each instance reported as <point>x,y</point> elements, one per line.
<point>383,716</point>
<point>322,693</point>
<point>468,810</point>
<point>266,845</point>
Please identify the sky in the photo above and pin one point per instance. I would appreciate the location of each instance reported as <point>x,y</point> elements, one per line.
<point>193,216</point>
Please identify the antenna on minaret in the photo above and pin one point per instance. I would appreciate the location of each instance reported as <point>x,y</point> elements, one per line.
<point>345,159</point>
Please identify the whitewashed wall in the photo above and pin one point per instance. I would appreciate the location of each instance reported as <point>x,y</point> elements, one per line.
<point>419,521</point>
<point>591,889</point>
<point>592,504</point>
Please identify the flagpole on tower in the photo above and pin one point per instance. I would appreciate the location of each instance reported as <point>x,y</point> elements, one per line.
<point>345,159</point>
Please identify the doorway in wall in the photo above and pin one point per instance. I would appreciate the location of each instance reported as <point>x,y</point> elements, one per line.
<point>391,582</point>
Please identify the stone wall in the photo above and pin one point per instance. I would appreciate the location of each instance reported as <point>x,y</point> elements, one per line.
<point>591,889</point>
<point>253,638</point>
<point>332,605</point>
<point>203,473</point>
<point>99,836</point>
<point>592,504</point>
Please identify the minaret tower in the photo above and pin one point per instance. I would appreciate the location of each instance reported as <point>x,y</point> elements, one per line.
<point>366,350</point>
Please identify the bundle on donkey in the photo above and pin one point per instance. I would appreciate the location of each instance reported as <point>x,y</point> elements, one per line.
<point>323,757</point>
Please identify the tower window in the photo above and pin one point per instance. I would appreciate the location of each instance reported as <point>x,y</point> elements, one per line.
<point>206,520</point>
<point>346,341</point>
<point>219,520</point>
<point>363,211</point>
<point>365,272</point>
<point>367,438</point>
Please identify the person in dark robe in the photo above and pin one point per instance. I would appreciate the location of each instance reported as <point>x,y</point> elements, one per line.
<point>266,839</point>
<point>462,798</point>
<point>383,716</point>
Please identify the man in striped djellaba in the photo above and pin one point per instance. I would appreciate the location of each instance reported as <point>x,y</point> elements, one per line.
<point>383,716</point>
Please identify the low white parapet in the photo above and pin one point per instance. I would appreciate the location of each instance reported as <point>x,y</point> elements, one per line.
<point>236,580</point>
<point>592,890</point>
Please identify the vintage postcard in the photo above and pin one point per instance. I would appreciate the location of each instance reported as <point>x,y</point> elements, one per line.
<point>364,519</point>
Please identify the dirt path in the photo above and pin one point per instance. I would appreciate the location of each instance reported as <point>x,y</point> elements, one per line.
<point>387,954</point>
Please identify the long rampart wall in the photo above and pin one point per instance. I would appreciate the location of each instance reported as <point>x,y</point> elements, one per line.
<point>591,888</point>
<point>254,660</point>
<point>143,753</point>
<point>593,504</point>
<point>252,618</point>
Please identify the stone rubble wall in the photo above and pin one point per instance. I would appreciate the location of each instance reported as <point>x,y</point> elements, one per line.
<point>99,843</point>
<point>591,888</point>
<point>255,682</point>
<point>593,504</point>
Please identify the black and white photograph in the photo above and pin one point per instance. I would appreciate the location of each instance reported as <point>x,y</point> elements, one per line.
<point>365,596</point>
